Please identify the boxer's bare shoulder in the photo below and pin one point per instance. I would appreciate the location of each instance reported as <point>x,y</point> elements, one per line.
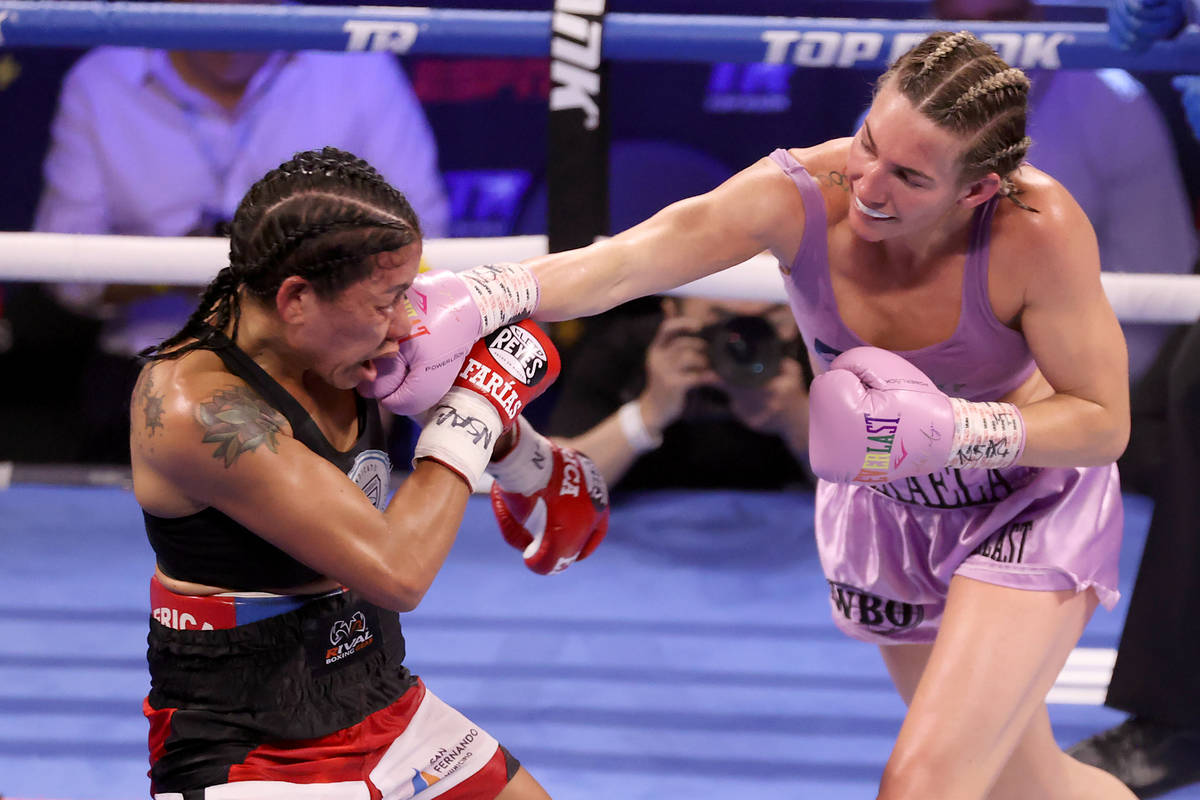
<point>191,416</point>
<point>1048,243</point>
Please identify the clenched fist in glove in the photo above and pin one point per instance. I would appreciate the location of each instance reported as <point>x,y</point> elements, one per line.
<point>450,311</point>
<point>874,418</point>
<point>502,373</point>
<point>551,502</point>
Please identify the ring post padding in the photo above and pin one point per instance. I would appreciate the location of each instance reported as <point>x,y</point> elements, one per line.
<point>577,138</point>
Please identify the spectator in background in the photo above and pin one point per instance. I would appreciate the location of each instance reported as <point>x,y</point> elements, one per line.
<point>165,143</point>
<point>1155,678</point>
<point>1100,133</point>
<point>1136,26</point>
<point>707,393</point>
<point>1189,89</point>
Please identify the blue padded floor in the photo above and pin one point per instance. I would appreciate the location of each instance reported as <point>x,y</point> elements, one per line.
<point>692,656</point>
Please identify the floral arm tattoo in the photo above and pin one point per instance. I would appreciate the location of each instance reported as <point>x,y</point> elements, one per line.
<point>239,421</point>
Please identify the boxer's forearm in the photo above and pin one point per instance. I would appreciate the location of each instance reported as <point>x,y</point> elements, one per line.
<point>1068,431</point>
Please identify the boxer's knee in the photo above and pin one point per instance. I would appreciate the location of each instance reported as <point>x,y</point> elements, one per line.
<point>919,771</point>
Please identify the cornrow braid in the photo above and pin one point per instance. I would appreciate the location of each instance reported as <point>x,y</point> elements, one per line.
<point>947,46</point>
<point>291,238</point>
<point>218,304</point>
<point>1015,151</point>
<point>320,216</point>
<point>1008,79</point>
<point>961,84</point>
<point>1010,190</point>
<point>323,260</point>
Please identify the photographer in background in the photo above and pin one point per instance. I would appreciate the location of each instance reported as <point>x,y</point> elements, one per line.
<point>699,393</point>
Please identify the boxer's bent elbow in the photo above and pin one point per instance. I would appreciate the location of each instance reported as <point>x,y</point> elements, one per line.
<point>1107,439</point>
<point>396,588</point>
<point>1118,439</point>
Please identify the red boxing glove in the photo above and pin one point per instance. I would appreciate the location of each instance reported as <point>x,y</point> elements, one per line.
<point>510,367</point>
<point>551,502</point>
<point>503,372</point>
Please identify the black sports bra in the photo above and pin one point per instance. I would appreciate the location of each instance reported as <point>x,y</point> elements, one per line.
<point>209,547</point>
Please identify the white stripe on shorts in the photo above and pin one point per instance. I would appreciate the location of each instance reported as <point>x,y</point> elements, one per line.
<point>439,749</point>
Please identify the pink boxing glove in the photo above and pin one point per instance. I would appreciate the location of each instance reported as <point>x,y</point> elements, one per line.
<point>450,312</point>
<point>875,418</point>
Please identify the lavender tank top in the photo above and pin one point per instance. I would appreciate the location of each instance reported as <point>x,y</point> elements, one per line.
<point>982,360</point>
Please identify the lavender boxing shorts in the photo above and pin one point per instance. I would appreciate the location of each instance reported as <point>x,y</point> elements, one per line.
<point>889,551</point>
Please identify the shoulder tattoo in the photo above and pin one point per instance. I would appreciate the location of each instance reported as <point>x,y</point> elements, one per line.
<point>834,178</point>
<point>239,421</point>
<point>149,401</point>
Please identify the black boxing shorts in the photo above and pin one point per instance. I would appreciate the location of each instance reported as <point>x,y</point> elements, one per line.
<point>311,700</point>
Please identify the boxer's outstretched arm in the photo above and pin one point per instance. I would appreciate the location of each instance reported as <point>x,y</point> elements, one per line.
<point>681,243</point>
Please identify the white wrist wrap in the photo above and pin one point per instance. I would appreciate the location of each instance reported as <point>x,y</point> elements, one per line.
<point>504,293</point>
<point>633,425</point>
<point>460,432</point>
<point>526,468</point>
<point>986,435</point>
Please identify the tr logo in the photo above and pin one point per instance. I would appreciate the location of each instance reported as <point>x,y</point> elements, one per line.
<point>369,34</point>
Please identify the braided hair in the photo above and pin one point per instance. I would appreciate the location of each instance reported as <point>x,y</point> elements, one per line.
<point>962,84</point>
<point>320,216</point>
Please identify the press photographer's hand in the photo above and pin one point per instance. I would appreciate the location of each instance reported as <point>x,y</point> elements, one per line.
<point>676,362</point>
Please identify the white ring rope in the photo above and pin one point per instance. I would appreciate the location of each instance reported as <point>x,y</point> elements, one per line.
<point>193,261</point>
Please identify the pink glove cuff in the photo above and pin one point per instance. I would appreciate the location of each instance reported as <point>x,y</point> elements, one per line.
<point>986,435</point>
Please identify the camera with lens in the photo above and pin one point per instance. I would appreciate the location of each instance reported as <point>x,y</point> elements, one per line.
<point>744,350</point>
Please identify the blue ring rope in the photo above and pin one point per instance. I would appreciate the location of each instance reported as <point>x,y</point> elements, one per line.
<point>811,43</point>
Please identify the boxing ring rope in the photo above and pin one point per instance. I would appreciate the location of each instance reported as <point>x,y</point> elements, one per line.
<point>54,257</point>
<point>807,42</point>
<point>706,38</point>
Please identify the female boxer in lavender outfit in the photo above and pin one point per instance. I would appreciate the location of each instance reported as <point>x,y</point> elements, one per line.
<point>970,527</point>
